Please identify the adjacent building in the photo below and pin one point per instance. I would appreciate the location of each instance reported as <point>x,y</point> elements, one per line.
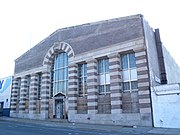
<point>5,95</point>
<point>93,73</point>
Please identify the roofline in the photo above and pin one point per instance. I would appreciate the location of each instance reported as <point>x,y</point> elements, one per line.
<point>84,25</point>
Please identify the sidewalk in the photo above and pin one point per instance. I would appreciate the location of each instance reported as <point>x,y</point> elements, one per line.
<point>108,128</point>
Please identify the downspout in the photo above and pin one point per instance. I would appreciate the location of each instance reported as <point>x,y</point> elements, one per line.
<point>160,57</point>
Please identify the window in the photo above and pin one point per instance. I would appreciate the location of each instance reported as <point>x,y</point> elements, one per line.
<point>52,79</point>
<point>60,74</point>
<point>82,79</point>
<point>129,73</point>
<point>103,76</point>
<point>39,85</point>
<point>18,89</point>
<point>28,86</point>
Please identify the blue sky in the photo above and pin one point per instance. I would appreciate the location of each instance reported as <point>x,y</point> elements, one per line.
<point>24,23</point>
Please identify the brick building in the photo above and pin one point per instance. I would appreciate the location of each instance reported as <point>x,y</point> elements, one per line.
<point>94,73</point>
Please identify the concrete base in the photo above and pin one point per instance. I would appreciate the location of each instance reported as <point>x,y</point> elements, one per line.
<point>124,119</point>
<point>28,116</point>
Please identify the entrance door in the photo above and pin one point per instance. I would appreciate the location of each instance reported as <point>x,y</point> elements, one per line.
<point>1,108</point>
<point>59,109</point>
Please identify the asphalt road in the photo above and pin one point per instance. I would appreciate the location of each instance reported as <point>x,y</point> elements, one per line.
<point>19,128</point>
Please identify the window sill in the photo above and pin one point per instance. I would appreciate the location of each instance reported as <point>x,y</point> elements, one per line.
<point>126,91</point>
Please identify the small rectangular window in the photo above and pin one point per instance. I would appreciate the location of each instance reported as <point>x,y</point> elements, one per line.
<point>39,85</point>
<point>28,86</point>
<point>82,79</point>
<point>19,88</point>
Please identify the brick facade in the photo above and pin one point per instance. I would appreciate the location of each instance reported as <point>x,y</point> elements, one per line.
<point>107,39</point>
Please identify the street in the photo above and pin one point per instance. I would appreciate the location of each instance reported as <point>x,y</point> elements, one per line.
<point>11,126</point>
<point>19,128</point>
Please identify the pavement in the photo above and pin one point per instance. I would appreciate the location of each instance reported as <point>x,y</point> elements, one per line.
<point>109,128</point>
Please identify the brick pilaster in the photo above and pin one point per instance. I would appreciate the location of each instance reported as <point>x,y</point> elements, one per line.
<point>115,83</point>
<point>23,94</point>
<point>14,96</point>
<point>33,93</point>
<point>45,94</point>
<point>143,81</point>
<point>92,90</point>
<point>72,88</point>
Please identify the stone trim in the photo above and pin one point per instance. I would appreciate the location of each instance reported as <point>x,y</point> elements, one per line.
<point>57,47</point>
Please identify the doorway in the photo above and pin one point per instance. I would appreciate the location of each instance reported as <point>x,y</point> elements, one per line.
<point>1,108</point>
<point>59,108</point>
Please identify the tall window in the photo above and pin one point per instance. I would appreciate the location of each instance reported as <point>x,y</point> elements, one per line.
<point>28,85</point>
<point>103,76</point>
<point>60,81</point>
<point>52,79</point>
<point>129,72</point>
<point>82,79</point>
<point>39,85</point>
<point>19,89</point>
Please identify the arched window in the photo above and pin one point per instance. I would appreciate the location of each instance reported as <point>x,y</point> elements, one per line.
<point>60,74</point>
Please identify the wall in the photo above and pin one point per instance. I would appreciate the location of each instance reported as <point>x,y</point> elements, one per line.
<point>152,54</point>
<point>5,94</point>
<point>166,104</point>
<point>171,65</point>
<point>83,38</point>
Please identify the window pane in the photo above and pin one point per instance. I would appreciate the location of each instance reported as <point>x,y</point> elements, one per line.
<point>60,73</point>
<point>56,75</point>
<point>65,73</point>
<point>55,63</point>
<point>61,87</point>
<point>126,86</point>
<point>65,59</point>
<point>85,69</point>
<point>61,63</point>
<point>124,61</point>
<point>85,79</point>
<point>126,75</point>
<point>101,88</point>
<point>107,79</point>
<point>80,90</point>
<point>134,85</point>
<point>85,88</point>
<point>107,66</point>
<point>55,88</point>
<point>100,66</point>
<point>108,88</point>
<point>133,74</point>
<point>19,88</point>
<point>102,79</point>
<point>79,71</point>
<point>65,87</point>
<point>132,60</point>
